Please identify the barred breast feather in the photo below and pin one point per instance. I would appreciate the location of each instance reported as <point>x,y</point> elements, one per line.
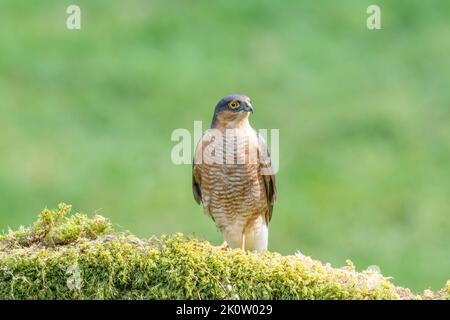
<point>227,179</point>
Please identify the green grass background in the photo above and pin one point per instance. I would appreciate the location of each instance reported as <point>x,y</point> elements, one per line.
<point>364,118</point>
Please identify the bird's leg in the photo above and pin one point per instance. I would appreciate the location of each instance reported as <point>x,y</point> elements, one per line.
<point>243,241</point>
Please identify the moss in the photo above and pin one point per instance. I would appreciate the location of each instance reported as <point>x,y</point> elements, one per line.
<point>66,256</point>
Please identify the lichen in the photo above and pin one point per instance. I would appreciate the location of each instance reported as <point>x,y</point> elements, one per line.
<point>63,256</point>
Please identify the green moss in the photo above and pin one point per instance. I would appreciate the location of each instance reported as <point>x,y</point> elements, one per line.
<point>74,257</point>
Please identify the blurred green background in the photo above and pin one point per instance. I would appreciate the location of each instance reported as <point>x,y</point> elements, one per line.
<point>364,117</point>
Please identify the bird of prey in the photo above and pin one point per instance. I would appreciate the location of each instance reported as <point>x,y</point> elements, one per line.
<point>232,176</point>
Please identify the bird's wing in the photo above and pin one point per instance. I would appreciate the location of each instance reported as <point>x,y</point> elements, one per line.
<point>196,175</point>
<point>197,166</point>
<point>268,175</point>
<point>196,189</point>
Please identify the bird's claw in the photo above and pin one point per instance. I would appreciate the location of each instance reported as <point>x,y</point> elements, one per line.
<point>224,246</point>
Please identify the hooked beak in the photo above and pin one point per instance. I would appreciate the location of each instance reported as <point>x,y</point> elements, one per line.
<point>248,107</point>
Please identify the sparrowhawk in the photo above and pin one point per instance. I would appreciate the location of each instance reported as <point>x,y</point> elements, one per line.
<point>232,176</point>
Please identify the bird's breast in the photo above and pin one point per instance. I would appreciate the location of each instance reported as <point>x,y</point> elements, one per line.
<point>232,187</point>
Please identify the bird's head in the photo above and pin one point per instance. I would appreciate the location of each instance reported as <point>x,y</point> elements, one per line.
<point>232,112</point>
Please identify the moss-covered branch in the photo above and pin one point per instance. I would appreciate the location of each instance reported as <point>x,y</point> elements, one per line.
<point>74,257</point>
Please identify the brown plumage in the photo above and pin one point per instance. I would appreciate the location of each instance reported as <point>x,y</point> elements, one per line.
<point>233,178</point>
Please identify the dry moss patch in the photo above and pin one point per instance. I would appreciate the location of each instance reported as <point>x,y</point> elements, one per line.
<point>63,256</point>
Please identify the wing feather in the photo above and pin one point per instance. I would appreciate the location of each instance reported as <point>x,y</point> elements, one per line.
<point>196,175</point>
<point>268,176</point>
<point>196,189</point>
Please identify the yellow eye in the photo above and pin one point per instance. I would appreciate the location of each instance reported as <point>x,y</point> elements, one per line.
<point>233,104</point>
